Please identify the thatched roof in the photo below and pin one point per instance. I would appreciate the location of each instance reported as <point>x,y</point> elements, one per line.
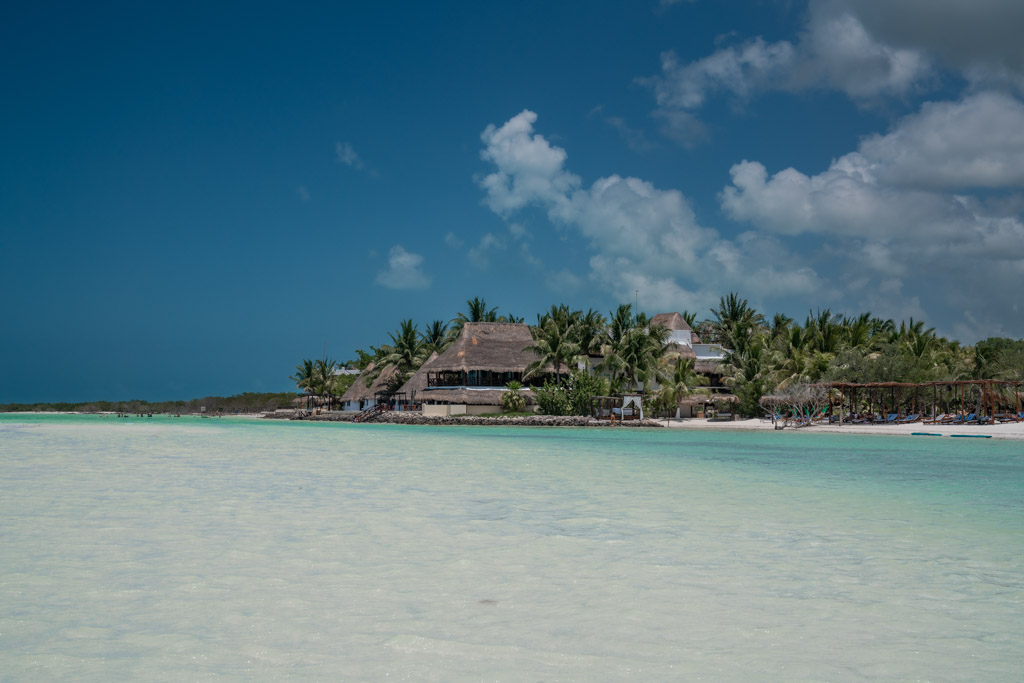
<point>683,350</point>
<point>708,366</point>
<point>418,382</point>
<point>472,397</point>
<point>360,392</point>
<point>672,321</point>
<point>498,347</point>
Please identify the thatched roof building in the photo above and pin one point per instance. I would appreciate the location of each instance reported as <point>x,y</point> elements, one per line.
<point>681,332</point>
<point>480,362</point>
<point>360,392</point>
<point>418,382</point>
<point>495,347</point>
<point>672,321</point>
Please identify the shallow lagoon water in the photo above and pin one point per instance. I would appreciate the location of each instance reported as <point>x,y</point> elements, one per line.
<point>169,549</point>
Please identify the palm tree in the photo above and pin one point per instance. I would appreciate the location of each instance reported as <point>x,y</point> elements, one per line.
<point>588,329</point>
<point>553,346</point>
<point>303,376</point>
<point>476,312</point>
<point>642,349</point>
<point>737,322</point>
<point>436,338</point>
<point>680,381</point>
<point>324,378</point>
<point>513,401</point>
<point>406,352</point>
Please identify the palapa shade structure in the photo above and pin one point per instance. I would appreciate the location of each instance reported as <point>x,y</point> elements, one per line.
<point>359,392</point>
<point>485,355</point>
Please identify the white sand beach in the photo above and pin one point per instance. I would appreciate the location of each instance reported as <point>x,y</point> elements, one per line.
<point>1010,430</point>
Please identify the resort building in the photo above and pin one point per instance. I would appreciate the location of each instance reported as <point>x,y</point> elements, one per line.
<point>685,343</point>
<point>412,390</point>
<point>359,396</point>
<point>470,376</point>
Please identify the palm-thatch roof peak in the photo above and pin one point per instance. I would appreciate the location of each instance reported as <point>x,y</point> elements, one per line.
<point>360,392</point>
<point>672,321</point>
<point>498,347</point>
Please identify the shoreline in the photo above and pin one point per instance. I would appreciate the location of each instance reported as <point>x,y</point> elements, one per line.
<point>1012,431</point>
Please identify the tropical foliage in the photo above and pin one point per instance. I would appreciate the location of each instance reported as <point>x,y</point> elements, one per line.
<point>765,354</point>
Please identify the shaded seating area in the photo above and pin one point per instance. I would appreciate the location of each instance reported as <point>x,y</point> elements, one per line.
<point>617,408</point>
<point>975,401</point>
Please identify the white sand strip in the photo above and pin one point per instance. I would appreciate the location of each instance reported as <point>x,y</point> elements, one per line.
<point>1011,430</point>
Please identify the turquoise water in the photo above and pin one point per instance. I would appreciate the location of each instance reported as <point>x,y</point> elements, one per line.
<point>169,549</point>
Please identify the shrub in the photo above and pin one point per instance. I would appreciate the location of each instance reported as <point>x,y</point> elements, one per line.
<point>552,399</point>
<point>513,401</point>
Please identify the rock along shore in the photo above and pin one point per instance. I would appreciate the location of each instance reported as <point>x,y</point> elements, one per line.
<point>415,418</point>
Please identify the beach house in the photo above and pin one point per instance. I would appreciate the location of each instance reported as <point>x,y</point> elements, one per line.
<point>360,396</point>
<point>470,376</point>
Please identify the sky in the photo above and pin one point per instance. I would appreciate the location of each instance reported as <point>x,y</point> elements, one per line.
<point>196,196</point>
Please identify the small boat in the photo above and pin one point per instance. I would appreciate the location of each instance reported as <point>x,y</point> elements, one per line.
<point>924,434</point>
<point>971,436</point>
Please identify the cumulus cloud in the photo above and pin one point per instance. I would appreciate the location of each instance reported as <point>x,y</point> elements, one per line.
<point>867,49</point>
<point>640,236</point>
<point>347,155</point>
<point>835,51</point>
<point>979,39</point>
<point>975,142</point>
<point>404,270</point>
<point>899,209</point>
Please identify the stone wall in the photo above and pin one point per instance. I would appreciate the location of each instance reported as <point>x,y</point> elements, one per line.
<point>415,418</point>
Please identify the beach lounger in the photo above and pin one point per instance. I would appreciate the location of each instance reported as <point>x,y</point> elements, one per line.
<point>936,420</point>
<point>910,418</point>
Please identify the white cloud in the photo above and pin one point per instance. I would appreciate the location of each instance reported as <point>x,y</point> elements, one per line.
<point>834,51</point>
<point>980,39</point>
<point>404,270</point>
<point>529,169</point>
<point>975,142</point>
<point>641,237</point>
<point>347,155</point>
<point>895,211</point>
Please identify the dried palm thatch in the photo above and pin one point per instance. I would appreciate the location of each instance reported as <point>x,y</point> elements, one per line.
<point>498,347</point>
<point>672,321</point>
<point>418,382</point>
<point>360,392</point>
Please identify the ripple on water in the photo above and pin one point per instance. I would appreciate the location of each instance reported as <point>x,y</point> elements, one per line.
<point>187,549</point>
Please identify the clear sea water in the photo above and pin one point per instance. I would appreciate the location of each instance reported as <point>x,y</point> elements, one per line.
<point>188,549</point>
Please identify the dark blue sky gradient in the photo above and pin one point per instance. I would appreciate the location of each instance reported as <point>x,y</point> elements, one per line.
<point>154,238</point>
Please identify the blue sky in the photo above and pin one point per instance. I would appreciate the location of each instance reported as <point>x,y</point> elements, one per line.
<point>196,197</point>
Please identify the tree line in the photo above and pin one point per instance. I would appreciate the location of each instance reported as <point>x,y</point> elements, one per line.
<point>248,402</point>
<point>764,355</point>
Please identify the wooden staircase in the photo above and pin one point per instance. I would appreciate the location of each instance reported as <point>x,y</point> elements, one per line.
<point>370,414</point>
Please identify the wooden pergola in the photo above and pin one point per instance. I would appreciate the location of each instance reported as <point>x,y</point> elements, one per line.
<point>953,392</point>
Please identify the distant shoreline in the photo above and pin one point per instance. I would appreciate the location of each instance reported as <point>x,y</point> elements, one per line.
<point>1013,431</point>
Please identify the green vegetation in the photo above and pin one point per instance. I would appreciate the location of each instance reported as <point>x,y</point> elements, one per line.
<point>242,403</point>
<point>513,401</point>
<point>765,355</point>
